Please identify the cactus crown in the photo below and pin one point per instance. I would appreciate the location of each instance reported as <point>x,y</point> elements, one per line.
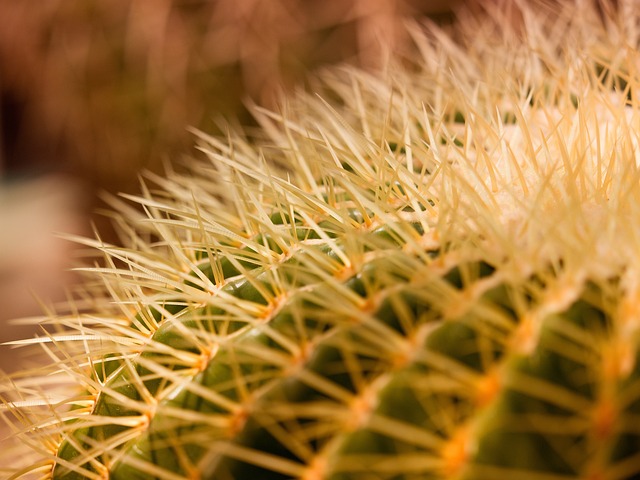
<point>430,273</point>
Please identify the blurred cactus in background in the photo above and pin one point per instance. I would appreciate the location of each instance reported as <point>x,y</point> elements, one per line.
<point>104,89</point>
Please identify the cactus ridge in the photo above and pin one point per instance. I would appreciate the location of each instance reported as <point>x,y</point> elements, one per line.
<point>429,273</point>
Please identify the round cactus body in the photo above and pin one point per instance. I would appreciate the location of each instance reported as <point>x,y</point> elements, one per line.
<point>431,273</point>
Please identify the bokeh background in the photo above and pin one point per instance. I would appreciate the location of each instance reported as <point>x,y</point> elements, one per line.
<point>94,91</point>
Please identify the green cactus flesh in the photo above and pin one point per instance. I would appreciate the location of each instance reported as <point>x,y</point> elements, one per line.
<point>392,383</point>
<point>434,274</point>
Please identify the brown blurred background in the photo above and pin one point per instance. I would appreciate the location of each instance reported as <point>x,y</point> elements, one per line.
<point>92,92</point>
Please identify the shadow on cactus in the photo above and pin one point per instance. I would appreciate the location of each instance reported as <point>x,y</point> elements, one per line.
<point>430,273</point>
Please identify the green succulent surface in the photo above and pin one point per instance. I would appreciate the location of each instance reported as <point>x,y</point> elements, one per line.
<point>430,272</point>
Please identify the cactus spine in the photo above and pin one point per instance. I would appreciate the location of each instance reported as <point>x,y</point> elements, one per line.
<point>432,275</point>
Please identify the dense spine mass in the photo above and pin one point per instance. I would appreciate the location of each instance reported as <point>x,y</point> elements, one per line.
<point>430,273</point>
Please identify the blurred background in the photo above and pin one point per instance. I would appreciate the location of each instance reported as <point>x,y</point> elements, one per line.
<point>92,92</point>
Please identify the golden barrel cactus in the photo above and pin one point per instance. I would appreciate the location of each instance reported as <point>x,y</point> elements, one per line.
<point>428,273</point>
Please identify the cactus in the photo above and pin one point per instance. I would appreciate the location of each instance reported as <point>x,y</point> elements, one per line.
<point>430,273</point>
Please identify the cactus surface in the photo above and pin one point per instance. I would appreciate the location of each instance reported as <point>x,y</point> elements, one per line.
<point>428,273</point>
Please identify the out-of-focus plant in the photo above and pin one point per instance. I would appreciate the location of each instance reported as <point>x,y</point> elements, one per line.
<point>105,88</point>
